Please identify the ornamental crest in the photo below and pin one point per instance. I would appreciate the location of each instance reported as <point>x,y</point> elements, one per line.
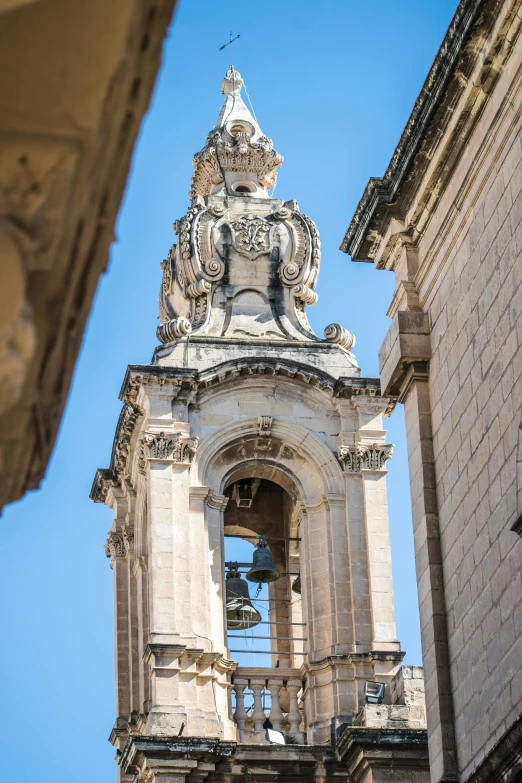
<point>251,236</point>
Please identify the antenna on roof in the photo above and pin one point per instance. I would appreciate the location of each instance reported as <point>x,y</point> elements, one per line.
<point>229,43</point>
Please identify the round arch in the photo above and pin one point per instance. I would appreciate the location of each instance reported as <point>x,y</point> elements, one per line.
<point>291,456</point>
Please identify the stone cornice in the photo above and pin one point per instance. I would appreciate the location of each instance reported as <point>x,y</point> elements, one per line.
<point>361,749</point>
<point>351,658</point>
<point>142,751</point>
<point>176,382</point>
<point>105,478</point>
<point>432,112</point>
<point>180,378</point>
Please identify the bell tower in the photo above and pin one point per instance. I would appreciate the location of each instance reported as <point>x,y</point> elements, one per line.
<point>246,430</point>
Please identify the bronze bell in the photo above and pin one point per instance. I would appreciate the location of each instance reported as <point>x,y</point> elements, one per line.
<point>240,612</point>
<point>263,569</point>
<point>296,586</point>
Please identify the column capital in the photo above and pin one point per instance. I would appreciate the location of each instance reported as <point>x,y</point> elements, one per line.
<point>165,446</point>
<point>359,457</point>
<point>213,500</point>
<point>114,546</point>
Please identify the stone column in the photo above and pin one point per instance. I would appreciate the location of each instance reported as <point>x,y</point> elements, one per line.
<point>135,662</point>
<point>139,570</point>
<point>404,359</point>
<point>430,583</point>
<point>327,599</point>
<point>115,549</point>
<point>371,455</point>
<point>214,510</point>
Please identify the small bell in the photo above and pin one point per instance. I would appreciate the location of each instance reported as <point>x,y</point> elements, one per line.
<point>263,569</point>
<point>240,612</point>
<point>296,586</point>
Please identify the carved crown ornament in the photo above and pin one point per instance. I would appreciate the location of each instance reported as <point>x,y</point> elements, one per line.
<point>358,457</point>
<point>261,254</point>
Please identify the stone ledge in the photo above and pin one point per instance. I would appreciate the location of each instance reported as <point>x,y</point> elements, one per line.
<point>407,342</point>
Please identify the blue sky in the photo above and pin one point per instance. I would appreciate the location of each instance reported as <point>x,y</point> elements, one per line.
<point>332,83</point>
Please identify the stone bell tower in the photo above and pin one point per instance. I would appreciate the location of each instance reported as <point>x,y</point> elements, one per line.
<point>242,398</point>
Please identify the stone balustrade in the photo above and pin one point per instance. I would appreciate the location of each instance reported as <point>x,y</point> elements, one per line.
<point>262,693</point>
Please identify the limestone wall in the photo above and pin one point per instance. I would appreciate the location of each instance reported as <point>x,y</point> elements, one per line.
<point>472,291</point>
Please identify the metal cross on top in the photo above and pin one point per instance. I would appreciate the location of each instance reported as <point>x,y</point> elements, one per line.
<point>230,42</point>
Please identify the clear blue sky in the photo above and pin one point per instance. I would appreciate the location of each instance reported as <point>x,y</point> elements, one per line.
<point>332,84</point>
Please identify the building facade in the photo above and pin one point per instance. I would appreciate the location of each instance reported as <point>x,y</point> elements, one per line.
<point>246,425</point>
<point>80,79</point>
<point>446,219</point>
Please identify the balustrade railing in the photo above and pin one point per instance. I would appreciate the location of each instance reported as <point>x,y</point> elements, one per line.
<point>275,694</point>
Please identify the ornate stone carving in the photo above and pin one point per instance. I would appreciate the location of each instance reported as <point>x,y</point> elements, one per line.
<point>185,450</point>
<point>335,333</point>
<point>265,424</point>
<point>373,457</point>
<point>114,546</point>
<point>159,446</point>
<point>173,330</point>
<point>127,534</point>
<point>252,236</point>
<point>233,148</point>
<point>168,447</point>
<point>350,458</point>
<point>219,233</point>
<point>302,291</point>
<point>361,457</point>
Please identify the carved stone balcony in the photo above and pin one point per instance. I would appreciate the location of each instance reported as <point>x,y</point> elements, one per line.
<point>262,693</point>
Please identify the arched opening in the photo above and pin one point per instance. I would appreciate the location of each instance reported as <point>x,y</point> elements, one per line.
<point>244,187</point>
<point>259,507</point>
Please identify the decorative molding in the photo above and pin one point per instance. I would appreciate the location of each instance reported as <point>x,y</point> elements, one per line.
<point>168,447</point>
<point>374,457</point>
<point>335,333</point>
<point>305,293</point>
<point>179,379</point>
<point>112,477</point>
<point>172,381</point>
<point>173,330</point>
<point>350,458</point>
<point>384,190</point>
<point>360,457</point>
<point>218,502</point>
<point>114,546</point>
<point>252,236</point>
<point>128,539</point>
<point>265,423</point>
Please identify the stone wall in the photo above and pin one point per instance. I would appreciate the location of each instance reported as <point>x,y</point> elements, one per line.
<point>445,218</point>
<point>476,394</point>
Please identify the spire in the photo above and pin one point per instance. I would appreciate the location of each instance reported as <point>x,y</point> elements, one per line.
<point>234,109</point>
<point>236,153</point>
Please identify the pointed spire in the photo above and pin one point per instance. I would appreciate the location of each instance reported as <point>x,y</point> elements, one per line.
<point>236,153</point>
<point>234,109</point>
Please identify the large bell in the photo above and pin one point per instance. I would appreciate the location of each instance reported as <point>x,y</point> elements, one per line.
<point>263,569</point>
<point>240,612</point>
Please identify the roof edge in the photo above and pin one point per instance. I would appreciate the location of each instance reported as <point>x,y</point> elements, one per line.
<point>381,190</point>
